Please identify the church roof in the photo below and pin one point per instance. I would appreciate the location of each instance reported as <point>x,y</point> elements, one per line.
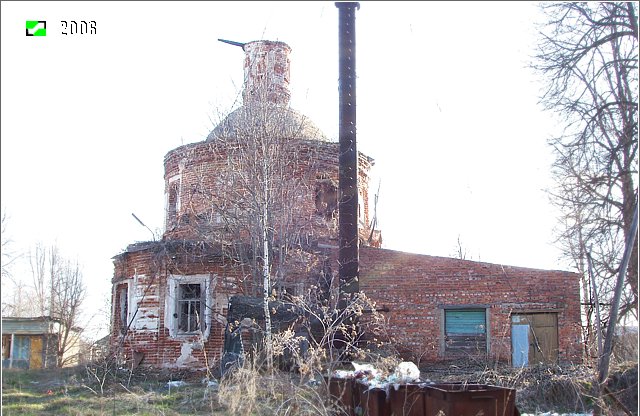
<point>269,119</point>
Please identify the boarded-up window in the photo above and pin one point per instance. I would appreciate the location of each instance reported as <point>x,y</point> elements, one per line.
<point>172,203</point>
<point>465,330</point>
<point>123,303</point>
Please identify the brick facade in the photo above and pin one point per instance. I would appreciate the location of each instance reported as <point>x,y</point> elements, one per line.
<point>160,289</point>
<point>416,288</point>
<point>194,183</point>
<point>413,288</point>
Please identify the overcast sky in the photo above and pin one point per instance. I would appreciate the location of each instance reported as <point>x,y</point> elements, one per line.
<point>446,107</point>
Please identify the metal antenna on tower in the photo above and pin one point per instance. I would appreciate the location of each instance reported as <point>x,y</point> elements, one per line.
<point>230,42</point>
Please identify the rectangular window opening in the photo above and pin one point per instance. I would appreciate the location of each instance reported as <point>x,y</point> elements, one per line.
<point>6,346</point>
<point>465,330</point>
<point>173,201</point>
<point>190,307</point>
<point>123,299</point>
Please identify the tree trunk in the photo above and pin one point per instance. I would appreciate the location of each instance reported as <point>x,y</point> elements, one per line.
<point>603,368</point>
<point>266,263</point>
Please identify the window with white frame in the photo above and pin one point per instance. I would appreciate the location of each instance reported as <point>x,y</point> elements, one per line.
<point>123,306</point>
<point>188,305</point>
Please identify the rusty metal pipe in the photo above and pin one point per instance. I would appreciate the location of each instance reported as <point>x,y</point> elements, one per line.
<point>348,177</point>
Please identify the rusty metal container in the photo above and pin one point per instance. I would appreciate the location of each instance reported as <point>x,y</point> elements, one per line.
<point>461,399</point>
<point>407,400</point>
<point>344,393</point>
<point>373,402</point>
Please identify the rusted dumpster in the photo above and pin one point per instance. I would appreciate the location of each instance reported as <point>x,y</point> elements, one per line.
<point>344,393</point>
<point>372,401</point>
<point>407,400</point>
<point>458,399</point>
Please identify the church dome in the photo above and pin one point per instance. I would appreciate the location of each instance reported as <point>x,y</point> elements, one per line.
<point>272,119</point>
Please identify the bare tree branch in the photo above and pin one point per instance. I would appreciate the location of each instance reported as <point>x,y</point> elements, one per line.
<point>588,54</point>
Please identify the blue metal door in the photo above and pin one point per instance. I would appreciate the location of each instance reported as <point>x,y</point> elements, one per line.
<point>520,345</point>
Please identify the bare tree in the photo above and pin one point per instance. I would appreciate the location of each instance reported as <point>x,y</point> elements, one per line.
<point>588,54</point>
<point>16,299</point>
<point>58,291</point>
<point>16,293</point>
<point>8,255</point>
<point>40,279</point>
<point>67,294</point>
<point>256,202</point>
<point>8,300</point>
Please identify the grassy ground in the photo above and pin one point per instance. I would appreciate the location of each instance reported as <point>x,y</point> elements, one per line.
<point>76,391</point>
<point>70,392</point>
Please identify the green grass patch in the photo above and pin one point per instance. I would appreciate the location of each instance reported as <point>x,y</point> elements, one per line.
<point>73,392</point>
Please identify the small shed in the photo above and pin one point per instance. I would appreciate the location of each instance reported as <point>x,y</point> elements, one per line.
<point>29,343</point>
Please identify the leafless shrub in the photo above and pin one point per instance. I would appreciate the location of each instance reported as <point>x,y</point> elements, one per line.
<point>250,390</point>
<point>625,347</point>
<point>322,340</point>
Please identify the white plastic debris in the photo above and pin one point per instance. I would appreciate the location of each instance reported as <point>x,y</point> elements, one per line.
<point>406,372</point>
<point>365,370</point>
<point>178,383</point>
<point>342,374</point>
<point>212,383</point>
<point>312,382</point>
<point>373,378</point>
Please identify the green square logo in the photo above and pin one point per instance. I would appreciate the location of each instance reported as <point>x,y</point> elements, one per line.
<point>36,28</point>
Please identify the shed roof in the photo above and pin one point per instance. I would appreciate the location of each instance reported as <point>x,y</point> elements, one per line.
<point>28,325</point>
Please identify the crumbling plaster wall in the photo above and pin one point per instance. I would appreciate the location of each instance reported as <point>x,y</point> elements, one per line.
<point>148,276</point>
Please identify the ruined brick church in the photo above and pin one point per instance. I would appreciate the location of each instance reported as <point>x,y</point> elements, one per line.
<point>170,297</point>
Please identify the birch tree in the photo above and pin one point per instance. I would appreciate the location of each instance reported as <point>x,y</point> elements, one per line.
<point>255,203</point>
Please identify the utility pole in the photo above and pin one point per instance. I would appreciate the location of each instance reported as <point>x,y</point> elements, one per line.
<point>348,159</point>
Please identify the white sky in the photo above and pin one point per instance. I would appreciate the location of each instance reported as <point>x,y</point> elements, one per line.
<point>446,107</point>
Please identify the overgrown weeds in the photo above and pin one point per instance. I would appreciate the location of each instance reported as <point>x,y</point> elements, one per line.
<point>251,390</point>
<point>72,391</point>
<point>547,388</point>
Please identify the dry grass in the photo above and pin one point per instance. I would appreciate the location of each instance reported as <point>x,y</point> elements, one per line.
<point>252,391</point>
<point>71,392</point>
<point>547,388</point>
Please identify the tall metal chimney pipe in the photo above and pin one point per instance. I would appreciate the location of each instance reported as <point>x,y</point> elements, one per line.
<point>348,256</point>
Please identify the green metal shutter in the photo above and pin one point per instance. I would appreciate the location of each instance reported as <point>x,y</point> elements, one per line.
<point>465,322</point>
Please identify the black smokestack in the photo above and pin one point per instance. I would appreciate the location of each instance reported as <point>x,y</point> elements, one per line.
<point>348,185</point>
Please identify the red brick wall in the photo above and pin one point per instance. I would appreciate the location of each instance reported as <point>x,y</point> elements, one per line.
<point>150,269</point>
<point>201,187</point>
<point>415,287</point>
<point>266,70</point>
